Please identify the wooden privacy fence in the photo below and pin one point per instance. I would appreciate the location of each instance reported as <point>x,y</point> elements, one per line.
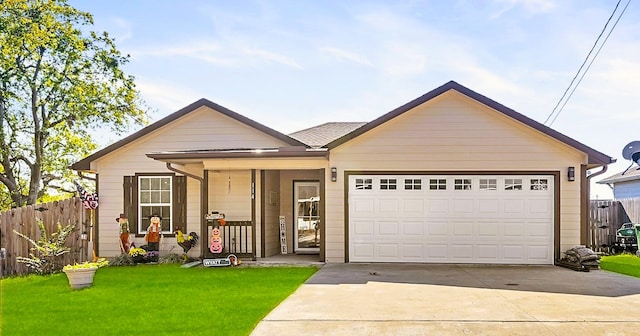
<point>24,220</point>
<point>606,217</point>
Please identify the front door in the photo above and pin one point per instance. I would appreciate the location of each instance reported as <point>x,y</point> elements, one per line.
<point>306,217</point>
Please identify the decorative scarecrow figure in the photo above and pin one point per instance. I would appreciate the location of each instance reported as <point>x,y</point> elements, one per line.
<point>153,233</point>
<point>125,243</point>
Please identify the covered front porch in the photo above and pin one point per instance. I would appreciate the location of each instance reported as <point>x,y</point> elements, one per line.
<point>272,206</point>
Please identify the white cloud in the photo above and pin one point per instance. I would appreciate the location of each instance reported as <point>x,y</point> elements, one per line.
<point>165,97</point>
<point>269,57</point>
<point>342,54</point>
<point>531,6</point>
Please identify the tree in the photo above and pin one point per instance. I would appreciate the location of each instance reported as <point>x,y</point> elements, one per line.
<point>58,82</point>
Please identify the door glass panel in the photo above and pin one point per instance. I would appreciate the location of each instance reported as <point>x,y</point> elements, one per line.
<point>307,196</point>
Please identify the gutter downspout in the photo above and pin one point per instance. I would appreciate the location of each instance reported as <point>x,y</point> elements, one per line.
<point>588,202</point>
<point>203,201</point>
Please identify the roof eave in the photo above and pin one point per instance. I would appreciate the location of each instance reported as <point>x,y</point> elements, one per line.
<point>237,155</point>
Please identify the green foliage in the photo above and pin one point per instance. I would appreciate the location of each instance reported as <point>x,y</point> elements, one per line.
<point>628,264</point>
<point>46,252</point>
<point>148,300</point>
<point>59,81</point>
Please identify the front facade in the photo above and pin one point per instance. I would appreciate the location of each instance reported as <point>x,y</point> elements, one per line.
<point>451,177</point>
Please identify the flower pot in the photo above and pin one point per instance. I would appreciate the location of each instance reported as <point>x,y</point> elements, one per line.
<point>80,277</point>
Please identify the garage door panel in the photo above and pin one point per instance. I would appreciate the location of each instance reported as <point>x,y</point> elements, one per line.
<point>462,252</point>
<point>413,227</point>
<point>488,252</point>
<point>362,207</point>
<point>437,228</point>
<point>363,227</point>
<point>387,250</point>
<point>463,207</point>
<point>488,207</point>
<point>514,229</point>
<point>514,207</point>
<point>387,228</point>
<point>362,251</point>
<point>388,207</point>
<point>461,228</point>
<point>494,219</point>
<point>488,229</point>
<point>412,207</point>
<point>437,206</point>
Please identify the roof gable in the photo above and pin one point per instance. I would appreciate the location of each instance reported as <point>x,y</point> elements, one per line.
<point>595,157</point>
<point>85,163</point>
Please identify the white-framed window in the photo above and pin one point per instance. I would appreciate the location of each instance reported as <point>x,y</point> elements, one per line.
<point>412,184</point>
<point>155,195</point>
<point>539,184</point>
<point>462,184</point>
<point>364,184</point>
<point>437,184</point>
<point>512,184</point>
<point>388,184</point>
<point>488,184</point>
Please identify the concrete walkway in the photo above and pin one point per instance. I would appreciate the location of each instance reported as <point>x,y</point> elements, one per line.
<point>426,299</point>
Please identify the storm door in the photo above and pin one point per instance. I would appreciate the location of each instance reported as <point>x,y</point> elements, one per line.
<point>306,217</point>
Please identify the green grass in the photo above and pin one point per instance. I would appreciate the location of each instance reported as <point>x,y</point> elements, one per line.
<point>148,300</point>
<point>624,263</point>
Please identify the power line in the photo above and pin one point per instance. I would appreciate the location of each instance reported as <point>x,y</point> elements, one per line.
<point>583,64</point>
<point>590,63</point>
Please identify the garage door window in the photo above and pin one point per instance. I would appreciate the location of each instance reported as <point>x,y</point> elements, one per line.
<point>437,184</point>
<point>462,184</point>
<point>388,184</point>
<point>513,184</point>
<point>488,184</point>
<point>539,184</point>
<point>364,184</point>
<point>412,184</point>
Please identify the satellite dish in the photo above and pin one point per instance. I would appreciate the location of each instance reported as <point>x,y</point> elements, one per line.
<point>632,152</point>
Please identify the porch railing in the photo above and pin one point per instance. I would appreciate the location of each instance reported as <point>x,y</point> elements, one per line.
<point>237,238</point>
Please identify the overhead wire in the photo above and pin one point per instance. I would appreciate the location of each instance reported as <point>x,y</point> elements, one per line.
<point>590,63</point>
<point>583,64</point>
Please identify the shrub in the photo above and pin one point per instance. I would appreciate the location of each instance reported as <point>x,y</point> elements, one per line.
<point>46,253</point>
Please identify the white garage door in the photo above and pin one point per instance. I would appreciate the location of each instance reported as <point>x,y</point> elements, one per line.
<point>501,219</point>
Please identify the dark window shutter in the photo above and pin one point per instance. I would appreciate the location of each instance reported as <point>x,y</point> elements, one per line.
<point>180,202</point>
<point>130,207</point>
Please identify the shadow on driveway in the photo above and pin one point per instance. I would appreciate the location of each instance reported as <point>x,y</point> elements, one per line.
<point>550,279</point>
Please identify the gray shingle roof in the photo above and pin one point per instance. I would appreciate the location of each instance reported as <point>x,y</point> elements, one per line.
<point>630,175</point>
<point>321,135</point>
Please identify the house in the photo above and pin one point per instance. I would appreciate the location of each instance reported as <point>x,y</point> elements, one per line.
<point>625,184</point>
<point>450,177</point>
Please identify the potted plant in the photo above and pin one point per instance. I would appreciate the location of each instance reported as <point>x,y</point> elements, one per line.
<point>80,275</point>
<point>138,254</point>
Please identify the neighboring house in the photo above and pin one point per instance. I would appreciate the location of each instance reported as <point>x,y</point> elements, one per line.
<point>450,177</point>
<point>625,184</point>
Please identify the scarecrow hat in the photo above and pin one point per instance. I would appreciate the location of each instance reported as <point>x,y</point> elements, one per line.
<point>122,216</point>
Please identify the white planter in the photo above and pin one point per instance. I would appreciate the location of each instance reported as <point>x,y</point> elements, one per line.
<point>80,277</point>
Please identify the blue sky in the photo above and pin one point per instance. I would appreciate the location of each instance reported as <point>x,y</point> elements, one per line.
<point>298,63</point>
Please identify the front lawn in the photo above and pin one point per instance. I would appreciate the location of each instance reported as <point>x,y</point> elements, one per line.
<point>148,300</point>
<point>627,264</point>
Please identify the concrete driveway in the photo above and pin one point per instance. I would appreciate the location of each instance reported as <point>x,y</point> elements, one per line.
<point>427,299</point>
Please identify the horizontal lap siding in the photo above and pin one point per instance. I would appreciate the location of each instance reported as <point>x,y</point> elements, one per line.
<point>200,129</point>
<point>454,133</point>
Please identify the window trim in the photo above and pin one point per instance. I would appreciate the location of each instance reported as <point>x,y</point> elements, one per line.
<point>140,229</point>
